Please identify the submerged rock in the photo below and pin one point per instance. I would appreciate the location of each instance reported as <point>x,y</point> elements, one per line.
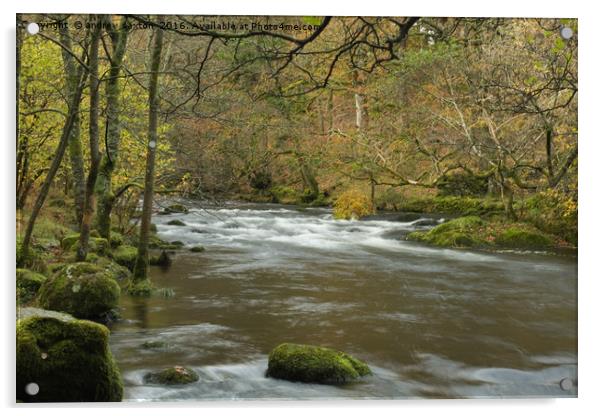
<point>172,375</point>
<point>155,345</point>
<point>197,249</point>
<point>28,284</point>
<point>82,289</point>
<point>311,364</point>
<point>177,223</point>
<point>68,359</point>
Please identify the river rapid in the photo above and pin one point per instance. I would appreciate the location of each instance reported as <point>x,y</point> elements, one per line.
<point>430,322</point>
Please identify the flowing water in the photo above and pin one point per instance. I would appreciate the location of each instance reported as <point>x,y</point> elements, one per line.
<point>430,322</point>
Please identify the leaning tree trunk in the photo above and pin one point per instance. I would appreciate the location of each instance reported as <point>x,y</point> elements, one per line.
<point>104,186</point>
<point>88,213</point>
<point>75,147</point>
<point>54,166</point>
<point>141,266</point>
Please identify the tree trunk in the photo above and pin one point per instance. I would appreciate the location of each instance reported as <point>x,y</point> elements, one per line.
<point>309,179</point>
<point>54,166</point>
<point>104,186</point>
<point>508,199</point>
<point>88,213</point>
<point>75,147</point>
<point>141,267</point>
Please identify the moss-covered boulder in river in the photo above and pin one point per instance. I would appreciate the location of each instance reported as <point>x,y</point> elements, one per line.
<point>311,364</point>
<point>197,249</point>
<point>171,376</point>
<point>126,256</point>
<point>472,231</point>
<point>516,237</point>
<point>68,359</point>
<point>140,288</point>
<point>84,290</point>
<point>28,284</point>
<point>455,233</point>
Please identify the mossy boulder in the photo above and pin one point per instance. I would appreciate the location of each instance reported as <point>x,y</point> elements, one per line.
<point>28,284</point>
<point>126,256</point>
<point>117,271</point>
<point>171,376</point>
<point>197,249</point>
<point>83,290</point>
<point>311,364</point>
<point>177,223</point>
<point>96,244</point>
<point>458,232</point>
<point>116,239</point>
<point>140,288</point>
<point>68,359</point>
<point>520,238</point>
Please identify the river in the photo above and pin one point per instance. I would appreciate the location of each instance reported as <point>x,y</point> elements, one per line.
<point>430,322</point>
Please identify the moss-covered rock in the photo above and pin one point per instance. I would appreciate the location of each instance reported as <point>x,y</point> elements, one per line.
<point>177,223</point>
<point>140,288</point>
<point>83,290</point>
<point>116,239</point>
<point>96,244</point>
<point>28,284</point>
<point>171,376</point>
<point>69,359</point>
<point>126,256</point>
<point>197,249</point>
<point>459,232</point>
<point>311,364</point>
<point>516,237</point>
<point>474,232</point>
<point>117,271</point>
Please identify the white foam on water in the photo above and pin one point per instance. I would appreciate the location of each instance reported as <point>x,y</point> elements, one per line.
<point>286,231</point>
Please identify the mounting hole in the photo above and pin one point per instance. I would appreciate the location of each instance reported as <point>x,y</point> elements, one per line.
<point>32,389</point>
<point>566,33</point>
<point>566,384</point>
<point>32,28</point>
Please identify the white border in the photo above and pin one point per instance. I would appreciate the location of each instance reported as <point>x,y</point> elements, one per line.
<point>590,162</point>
